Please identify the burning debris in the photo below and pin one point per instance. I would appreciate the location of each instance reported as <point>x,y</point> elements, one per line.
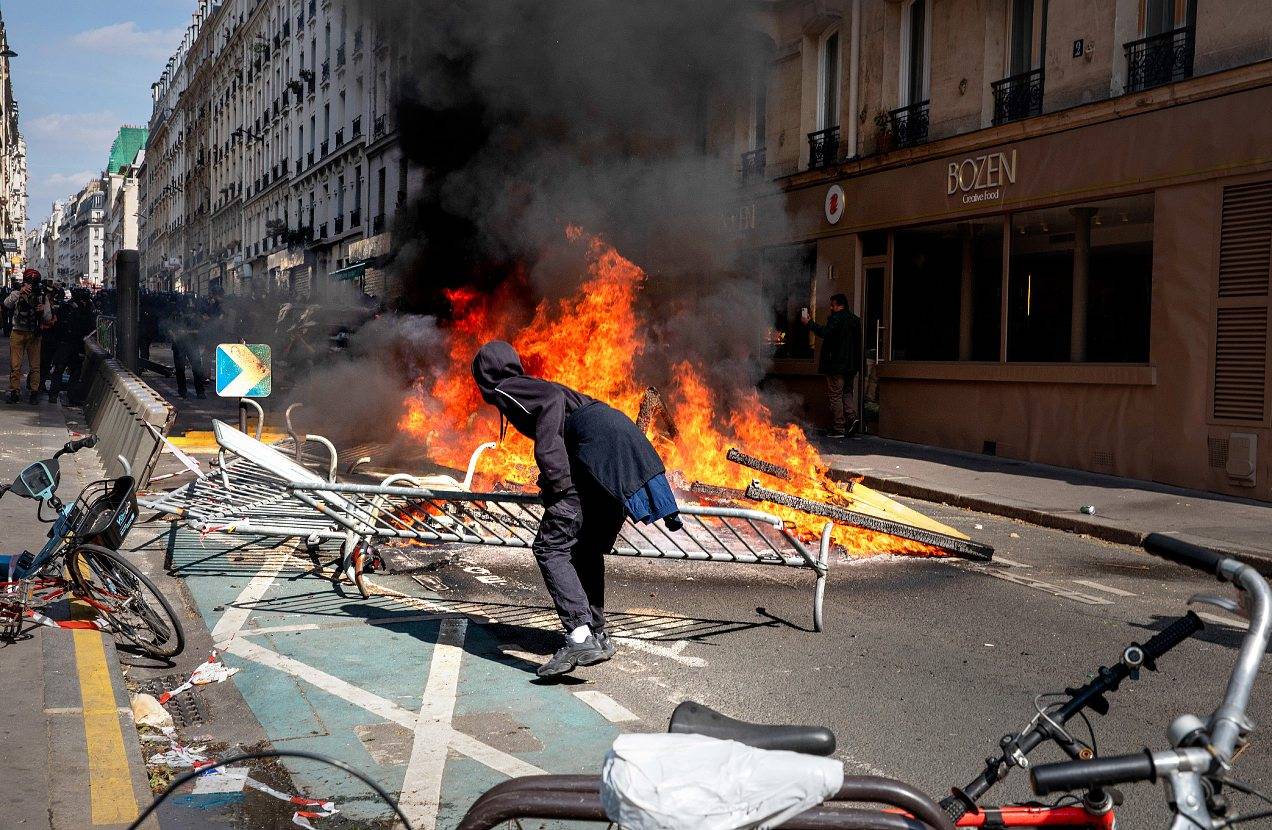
<point>716,492</point>
<point>777,471</point>
<point>651,409</point>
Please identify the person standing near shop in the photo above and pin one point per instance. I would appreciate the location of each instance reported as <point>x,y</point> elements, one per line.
<point>29,308</point>
<point>76,320</point>
<point>840,361</point>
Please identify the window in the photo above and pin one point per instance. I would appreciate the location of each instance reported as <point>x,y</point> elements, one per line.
<point>357,189</point>
<point>340,196</point>
<point>915,46</point>
<point>1081,282</point>
<point>1159,17</point>
<point>828,81</point>
<point>946,291</point>
<point>1025,18</point>
<point>379,199</point>
<point>1078,285</point>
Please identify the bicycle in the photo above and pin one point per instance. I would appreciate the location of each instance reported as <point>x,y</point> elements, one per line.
<point>80,561</point>
<point>1195,770</point>
<point>578,796</point>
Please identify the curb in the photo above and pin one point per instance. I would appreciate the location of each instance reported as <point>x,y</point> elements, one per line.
<point>1041,518</point>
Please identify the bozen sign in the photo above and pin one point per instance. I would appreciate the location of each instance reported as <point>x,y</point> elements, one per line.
<point>981,179</point>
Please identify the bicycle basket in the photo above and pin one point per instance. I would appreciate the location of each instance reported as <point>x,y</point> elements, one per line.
<point>105,511</point>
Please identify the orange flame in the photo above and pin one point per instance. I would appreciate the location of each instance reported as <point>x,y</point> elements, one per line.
<point>591,341</point>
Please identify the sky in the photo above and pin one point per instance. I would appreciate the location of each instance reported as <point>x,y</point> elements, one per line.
<point>84,68</point>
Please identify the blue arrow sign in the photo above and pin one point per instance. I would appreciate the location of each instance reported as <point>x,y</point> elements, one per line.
<point>243,370</point>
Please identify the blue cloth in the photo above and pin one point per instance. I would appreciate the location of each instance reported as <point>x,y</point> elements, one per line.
<point>653,501</point>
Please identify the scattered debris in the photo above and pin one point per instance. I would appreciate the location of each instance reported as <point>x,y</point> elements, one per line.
<point>179,757</point>
<point>651,408</point>
<point>776,470</point>
<point>212,671</point>
<point>715,491</point>
<point>1087,509</point>
<point>147,711</point>
<point>301,817</point>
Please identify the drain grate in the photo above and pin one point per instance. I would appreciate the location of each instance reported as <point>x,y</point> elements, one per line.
<point>186,708</point>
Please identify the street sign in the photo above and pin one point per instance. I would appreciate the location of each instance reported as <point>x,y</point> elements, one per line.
<point>243,370</point>
<point>10,245</point>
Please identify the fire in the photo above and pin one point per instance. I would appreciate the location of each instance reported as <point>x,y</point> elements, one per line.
<point>591,341</point>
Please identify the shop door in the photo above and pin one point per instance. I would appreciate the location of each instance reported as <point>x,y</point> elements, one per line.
<point>872,330</point>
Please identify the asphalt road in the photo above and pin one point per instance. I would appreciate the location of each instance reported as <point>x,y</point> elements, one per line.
<point>923,665</point>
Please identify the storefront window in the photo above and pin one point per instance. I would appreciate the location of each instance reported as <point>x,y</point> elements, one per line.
<point>788,285</point>
<point>946,291</point>
<point>1080,282</point>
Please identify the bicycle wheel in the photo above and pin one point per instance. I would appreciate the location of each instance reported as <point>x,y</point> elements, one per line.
<point>132,604</point>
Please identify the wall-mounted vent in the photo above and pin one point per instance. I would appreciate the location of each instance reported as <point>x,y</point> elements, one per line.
<point>1241,363</point>
<point>1102,459</point>
<point>1217,450</point>
<point>1245,240</point>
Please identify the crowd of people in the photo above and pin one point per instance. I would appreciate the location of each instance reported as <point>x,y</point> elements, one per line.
<point>46,323</point>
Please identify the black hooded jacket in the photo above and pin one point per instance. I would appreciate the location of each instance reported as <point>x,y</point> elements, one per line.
<point>569,429</point>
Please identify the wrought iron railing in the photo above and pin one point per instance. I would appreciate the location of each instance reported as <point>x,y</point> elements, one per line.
<point>380,125</point>
<point>1159,59</point>
<point>909,124</point>
<point>357,126</point>
<point>753,164</point>
<point>1018,96</point>
<point>823,147</point>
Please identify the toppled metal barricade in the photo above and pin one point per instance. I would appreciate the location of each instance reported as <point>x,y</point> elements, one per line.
<point>259,489</point>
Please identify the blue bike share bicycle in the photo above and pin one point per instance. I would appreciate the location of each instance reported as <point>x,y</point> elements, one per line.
<point>80,563</point>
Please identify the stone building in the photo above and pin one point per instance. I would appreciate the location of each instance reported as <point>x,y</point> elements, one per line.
<point>271,127</point>
<point>1053,216</point>
<point>13,169</point>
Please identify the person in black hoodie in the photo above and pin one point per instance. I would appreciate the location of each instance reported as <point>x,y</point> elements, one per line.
<point>595,468</point>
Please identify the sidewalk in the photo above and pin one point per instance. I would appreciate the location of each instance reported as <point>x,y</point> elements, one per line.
<point>1125,509</point>
<point>71,756</point>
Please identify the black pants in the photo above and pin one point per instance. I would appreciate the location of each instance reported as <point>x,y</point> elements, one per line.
<point>575,534</point>
<point>183,353</point>
<point>67,357</point>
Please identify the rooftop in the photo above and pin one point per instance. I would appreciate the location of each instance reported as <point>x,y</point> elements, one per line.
<point>125,147</point>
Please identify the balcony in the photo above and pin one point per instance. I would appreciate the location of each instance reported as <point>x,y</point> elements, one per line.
<point>310,158</point>
<point>357,126</point>
<point>355,218</point>
<point>325,147</point>
<point>377,224</point>
<point>753,164</point>
<point>339,223</point>
<point>380,125</point>
<point>909,124</point>
<point>326,71</point>
<point>340,137</point>
<point>823,148</point>
<point>1160,59</point>
<point>1017,96</point>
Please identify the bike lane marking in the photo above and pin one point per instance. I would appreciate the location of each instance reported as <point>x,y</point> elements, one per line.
<point>1100,586</point>
<point>345,691</point>
<point>610,709</point>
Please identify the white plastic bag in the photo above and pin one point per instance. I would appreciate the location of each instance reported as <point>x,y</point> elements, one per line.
<point>679,782</point>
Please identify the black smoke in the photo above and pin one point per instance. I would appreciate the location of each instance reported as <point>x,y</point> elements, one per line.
<point>615,115</point>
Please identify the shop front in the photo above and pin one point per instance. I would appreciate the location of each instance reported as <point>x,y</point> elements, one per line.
<point>1093,294</point>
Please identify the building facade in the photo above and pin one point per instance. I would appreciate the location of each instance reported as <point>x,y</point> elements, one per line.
<point>1054,218</point>
<point>13,170</point>
<point>271,126</point>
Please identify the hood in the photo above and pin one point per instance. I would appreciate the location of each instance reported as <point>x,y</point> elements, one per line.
<point>495,362</point>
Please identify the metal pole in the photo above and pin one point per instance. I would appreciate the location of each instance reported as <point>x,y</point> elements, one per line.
<point>127,283</point>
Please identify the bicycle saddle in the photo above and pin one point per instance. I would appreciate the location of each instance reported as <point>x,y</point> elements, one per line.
<point>697,719</point>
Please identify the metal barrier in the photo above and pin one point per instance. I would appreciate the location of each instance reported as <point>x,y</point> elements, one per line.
<point>260,489</point>
<point>121,410</point>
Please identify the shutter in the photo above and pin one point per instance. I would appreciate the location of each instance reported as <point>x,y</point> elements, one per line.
<point>1245,242</point>
<point>1241,324</point>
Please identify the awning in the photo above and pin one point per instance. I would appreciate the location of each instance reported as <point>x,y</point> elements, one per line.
<point>351,272</point>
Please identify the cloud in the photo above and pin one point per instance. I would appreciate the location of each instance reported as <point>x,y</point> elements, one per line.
<point>126,38</point>
<point>94,128</point>
<point>72,180</point>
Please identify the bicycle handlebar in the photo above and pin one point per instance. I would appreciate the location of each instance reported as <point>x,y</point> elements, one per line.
<point>75,446</point>
<point>1066,776</point>
<point>1183,553</point>
<point>1172,635</point>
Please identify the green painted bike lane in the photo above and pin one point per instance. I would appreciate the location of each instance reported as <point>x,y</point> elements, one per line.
<point>332,673</point>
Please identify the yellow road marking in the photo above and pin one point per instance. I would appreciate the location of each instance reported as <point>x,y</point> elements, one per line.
<point>110,788</point>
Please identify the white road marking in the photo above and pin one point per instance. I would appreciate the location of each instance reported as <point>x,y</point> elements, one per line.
<point>1029,582</point>
<point>610,709</point>
<point>1231,622</point>
<point>323,626</point>
<point>422,786</point>
<point>1003,560</point>
<point>671,652</point>
<point>237,612</point>
<point>1100,586</point>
